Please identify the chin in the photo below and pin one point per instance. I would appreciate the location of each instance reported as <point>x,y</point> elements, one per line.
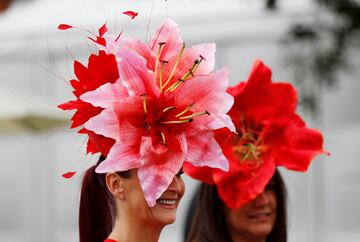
<point>167,219</point>
<point>163,216</point>
<point>171,220</point>
<point>262,230</point>
<point>163,221</point>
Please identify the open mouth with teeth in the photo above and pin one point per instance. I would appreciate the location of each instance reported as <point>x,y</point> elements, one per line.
<point>166,201</point>
<point>260,215</point>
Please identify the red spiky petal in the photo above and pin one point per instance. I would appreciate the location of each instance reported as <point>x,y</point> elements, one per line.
<point>69,175</point>
<point>103,30</point>
<point>65,27</point>
<point>99,40</point>
<point>131,14</point>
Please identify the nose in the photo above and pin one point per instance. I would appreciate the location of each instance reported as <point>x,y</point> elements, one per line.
<point>261,200</point>
<point>177,185</point>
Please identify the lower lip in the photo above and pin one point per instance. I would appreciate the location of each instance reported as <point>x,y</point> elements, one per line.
<point>261,217</point>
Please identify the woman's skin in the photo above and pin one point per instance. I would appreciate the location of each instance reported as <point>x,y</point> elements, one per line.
<point>135,220</point>
<point>254,221</point>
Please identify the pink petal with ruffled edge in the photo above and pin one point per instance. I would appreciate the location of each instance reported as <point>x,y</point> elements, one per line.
<point>134,74</point>
<point>203,150</point>
<point>207,51</point>
<point>106,123</point>
<point>168,33</point>
<point>157,171</point>
<point>105,95</point>
<point>130,134</point>
<point>120,158</point>
<point>133,65</point>
<point>208,93</point>
<point>131,120</point>
<point>223,120</point>
<point>142,50</point>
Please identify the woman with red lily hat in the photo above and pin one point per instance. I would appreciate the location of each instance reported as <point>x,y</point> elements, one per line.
<point>262,219</point>
<point>146,108</point>
<point>247,203</point>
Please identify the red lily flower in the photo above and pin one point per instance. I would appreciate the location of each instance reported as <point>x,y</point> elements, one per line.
<point>269,133</point>
<point>162,110</point>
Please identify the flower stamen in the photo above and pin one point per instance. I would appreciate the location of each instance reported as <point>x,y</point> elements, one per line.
<point>187,75</point>
<point>163,138</point>
<point>163,62</point>
<point>177,121</point>
<point>193,68</point>
<point>195,115</point>
<point>175,85</point>
<point>175,67</point>
<point>191,72</point>
<point>168,109</point>
<point>184,111</point>
<point>157,59</point>
<point>144,103</point>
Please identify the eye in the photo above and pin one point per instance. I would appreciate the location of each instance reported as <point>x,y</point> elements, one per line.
<point>181,171</point>
<point>270,186</point>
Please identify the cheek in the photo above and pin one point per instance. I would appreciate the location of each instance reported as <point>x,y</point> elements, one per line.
<point>236,219</point>
<point>182,188</point>
<point>136,203</point>
<point>273,206</point>
<point>139,204</point>
<point>272,200</point>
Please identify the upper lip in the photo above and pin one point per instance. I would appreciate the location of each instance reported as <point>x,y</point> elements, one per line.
<point>167,198</point>
<point>169,195</point>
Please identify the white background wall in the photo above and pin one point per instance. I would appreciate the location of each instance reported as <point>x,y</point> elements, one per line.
<point>37,205</point>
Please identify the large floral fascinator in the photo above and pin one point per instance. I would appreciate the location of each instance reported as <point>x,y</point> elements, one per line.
<point>268,134</point>
<point>151,106</point>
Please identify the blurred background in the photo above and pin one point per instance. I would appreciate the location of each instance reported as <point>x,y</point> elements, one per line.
<point>312,43</point>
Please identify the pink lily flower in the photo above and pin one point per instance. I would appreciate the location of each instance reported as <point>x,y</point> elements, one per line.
<point>162,110</point>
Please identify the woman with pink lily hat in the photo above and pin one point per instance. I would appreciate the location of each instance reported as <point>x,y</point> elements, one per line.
<point>146,108</point>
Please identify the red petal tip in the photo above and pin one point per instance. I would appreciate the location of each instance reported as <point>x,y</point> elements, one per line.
<point>98,40</point>
<point>103,30</point>
<point>131,14</point>
<point>68,175</point>
<point>64,26</point>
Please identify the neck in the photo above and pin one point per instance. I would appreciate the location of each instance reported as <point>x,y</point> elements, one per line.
<point>129,230</point>
<point>243,237</point>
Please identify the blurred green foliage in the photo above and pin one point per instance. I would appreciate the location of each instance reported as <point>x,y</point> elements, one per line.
<point>318,49</point>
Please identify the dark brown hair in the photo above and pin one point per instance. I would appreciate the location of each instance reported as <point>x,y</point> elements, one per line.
<point>97,206</point>
<point>208,222</point>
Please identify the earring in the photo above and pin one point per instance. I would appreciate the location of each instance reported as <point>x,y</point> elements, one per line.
<point>122,196</point>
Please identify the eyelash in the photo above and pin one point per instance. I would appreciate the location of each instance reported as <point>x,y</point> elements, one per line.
<point>180,172</point>
<point>270,187</point>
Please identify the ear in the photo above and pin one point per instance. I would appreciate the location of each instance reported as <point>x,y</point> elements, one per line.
<point>115,185</point>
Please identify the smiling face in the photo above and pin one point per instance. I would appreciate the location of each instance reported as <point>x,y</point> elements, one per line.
<point>255,219</point>
<point>133,206</point>
<point>165,209</point>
